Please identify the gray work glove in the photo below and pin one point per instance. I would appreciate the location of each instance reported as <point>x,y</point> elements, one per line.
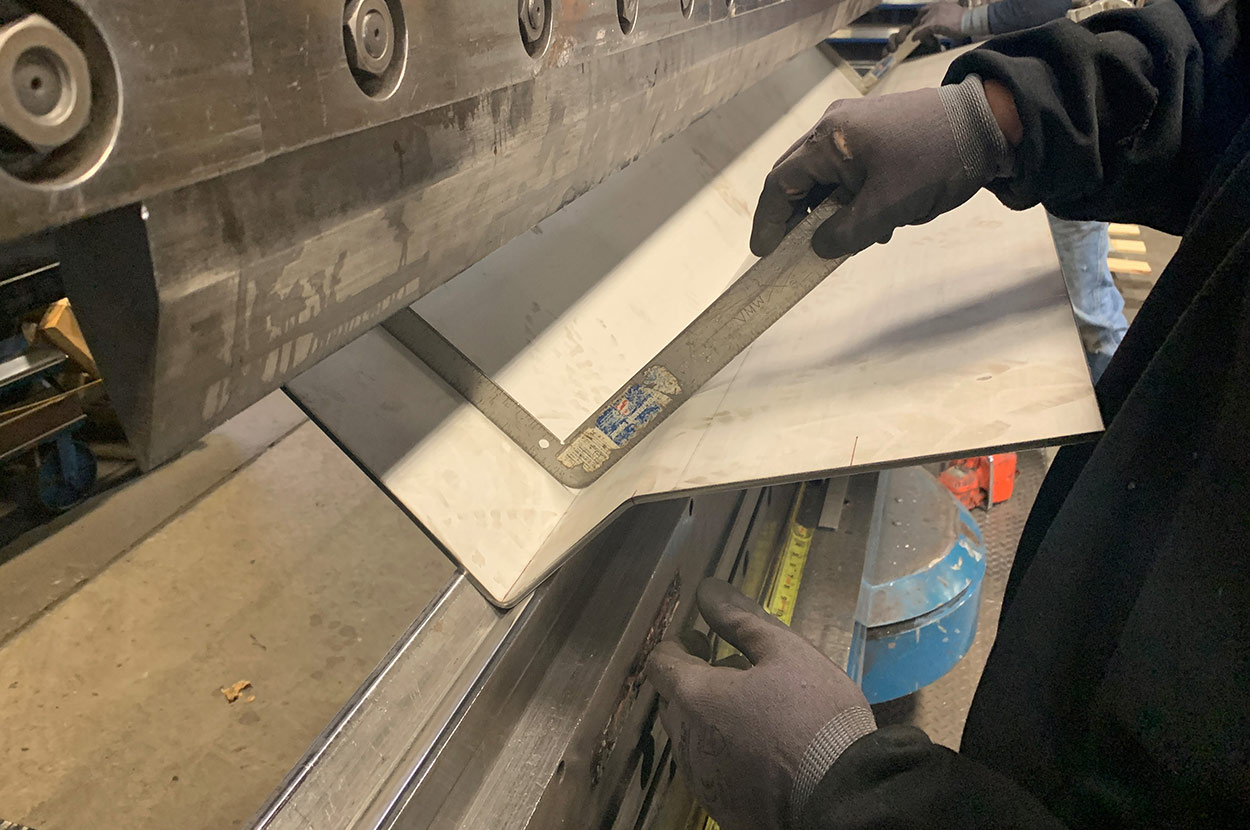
<point>945,19</point>
<point>754,742</point>
<point>891,161</point>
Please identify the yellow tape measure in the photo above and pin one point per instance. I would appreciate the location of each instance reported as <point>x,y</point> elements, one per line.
<point>783,588</point>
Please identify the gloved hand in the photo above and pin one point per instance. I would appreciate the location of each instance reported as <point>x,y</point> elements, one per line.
<point>944,19</point>
<point>754,742</point>
<point>891,161</point>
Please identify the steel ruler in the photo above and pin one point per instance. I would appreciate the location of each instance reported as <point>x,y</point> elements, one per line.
<point>744,311</point>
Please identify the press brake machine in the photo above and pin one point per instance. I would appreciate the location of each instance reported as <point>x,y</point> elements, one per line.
<point>247,194</point>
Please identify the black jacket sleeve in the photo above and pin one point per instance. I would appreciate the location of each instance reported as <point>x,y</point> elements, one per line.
<point>896,778</point>
<point>1016,15</point>
<point>1125,117</point>
<point>1126,114</point>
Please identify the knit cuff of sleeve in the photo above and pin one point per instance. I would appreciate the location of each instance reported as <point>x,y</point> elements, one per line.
<point>983,148</point>
<point>976,22</point>
<point>847,727</point>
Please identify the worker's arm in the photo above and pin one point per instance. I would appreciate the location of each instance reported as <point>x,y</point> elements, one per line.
<point>948,19</point>
<point>896,777</point>
<point>1124,116</point>
<point>1013,16</point>
<point>1121,118</point>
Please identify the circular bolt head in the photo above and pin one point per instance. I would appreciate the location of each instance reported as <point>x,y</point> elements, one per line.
<point>533,15</point>
<point>369,36</point>
<point>627,12</point>
<point>37,79</point>
<point>45,83</point>
<point>372,36</point>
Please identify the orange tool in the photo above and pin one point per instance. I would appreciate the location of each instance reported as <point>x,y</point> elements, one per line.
<point>983,479</point>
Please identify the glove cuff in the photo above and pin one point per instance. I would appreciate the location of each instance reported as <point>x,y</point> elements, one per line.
<point>983,148</point>
<point>976,22</point>
<point>846,727</point>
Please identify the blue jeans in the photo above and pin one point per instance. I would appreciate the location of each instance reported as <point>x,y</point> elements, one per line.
<point>1096,302</point>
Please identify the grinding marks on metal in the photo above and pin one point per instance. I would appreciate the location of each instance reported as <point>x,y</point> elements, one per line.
<point>744,311</point>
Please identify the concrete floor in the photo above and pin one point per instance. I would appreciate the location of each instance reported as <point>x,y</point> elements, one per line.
<point>284,567</point>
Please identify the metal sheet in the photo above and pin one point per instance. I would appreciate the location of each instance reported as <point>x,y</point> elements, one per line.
<point>33,361</point>
<point>870,369</point>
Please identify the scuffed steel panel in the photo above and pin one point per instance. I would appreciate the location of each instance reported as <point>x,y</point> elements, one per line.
<point>259,273</point>
<point>204,87</point>
<point>184,108</point>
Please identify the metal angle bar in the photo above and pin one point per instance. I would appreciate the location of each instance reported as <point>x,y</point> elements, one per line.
<point>28,274</point>
<point>37,438</point>
<point>835,498</point>
<point>842,65</point>
<point>863,610</point>
<point>881,67</point>
<point>831,593</point>
<point>744,311</point>
<point>739,533</point>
